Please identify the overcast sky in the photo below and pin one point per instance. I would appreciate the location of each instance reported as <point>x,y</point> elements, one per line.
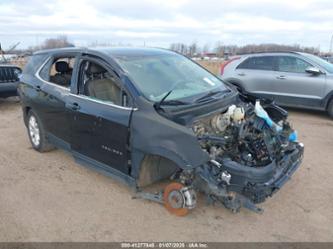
<point>161,22</point>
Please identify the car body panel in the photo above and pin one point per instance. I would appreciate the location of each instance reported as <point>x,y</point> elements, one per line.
<point>8,89</point>
<point>100,131</point>
<point>8,80</point>
<point>176,142</point>
<point>294,88</point>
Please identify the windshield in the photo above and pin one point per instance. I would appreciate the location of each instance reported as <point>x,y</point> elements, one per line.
<point>156,75</point>
<point>321,62</point>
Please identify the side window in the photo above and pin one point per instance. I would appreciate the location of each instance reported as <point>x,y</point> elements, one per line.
<point>291,64</point>
<point>59,72</point>
<point>258,63</point>
<point>98,83</point>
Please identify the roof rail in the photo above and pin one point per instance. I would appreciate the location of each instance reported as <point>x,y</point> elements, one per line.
<point>270,52</point>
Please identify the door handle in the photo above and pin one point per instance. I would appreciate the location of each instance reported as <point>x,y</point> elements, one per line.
<point>281,77</point>
<point>38,89</point>
<point>241,74</point>
<point>75,106</point>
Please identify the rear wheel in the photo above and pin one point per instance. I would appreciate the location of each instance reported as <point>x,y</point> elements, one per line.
<point>36,133</point>
<point>330,108</point>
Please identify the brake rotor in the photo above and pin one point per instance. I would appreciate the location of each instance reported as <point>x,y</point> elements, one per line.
<point>174,200</point>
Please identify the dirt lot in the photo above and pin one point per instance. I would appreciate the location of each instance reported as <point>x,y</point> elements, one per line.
<point>48,197</point>
<point>213,66</point>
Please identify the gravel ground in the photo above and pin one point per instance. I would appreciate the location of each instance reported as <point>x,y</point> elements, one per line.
<point>48,197</point>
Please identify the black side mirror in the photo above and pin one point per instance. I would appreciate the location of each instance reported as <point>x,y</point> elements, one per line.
<point>313,70</point>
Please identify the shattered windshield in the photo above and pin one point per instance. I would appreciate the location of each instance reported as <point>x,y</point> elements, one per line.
<point>156,75</point>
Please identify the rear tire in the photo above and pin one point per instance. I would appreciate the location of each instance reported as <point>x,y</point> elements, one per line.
<point>36,133</point>
<point>330,108</point>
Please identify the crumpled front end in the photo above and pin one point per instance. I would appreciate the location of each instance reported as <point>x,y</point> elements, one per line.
<point>253,151</point>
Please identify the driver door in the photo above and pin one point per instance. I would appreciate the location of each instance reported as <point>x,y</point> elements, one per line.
<point>99,119</point>
<point>294,86</point>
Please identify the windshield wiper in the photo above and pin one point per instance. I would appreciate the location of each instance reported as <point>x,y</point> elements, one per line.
<point>158,104</point>
<point>174,102</point>
<point>208,96</point>
<point>169,102</point>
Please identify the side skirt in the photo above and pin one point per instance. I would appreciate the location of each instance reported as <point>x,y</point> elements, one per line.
<point>104,169</point>
<point>91,163</point>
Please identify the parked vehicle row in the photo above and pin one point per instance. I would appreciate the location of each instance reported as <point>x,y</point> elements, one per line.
<point>144,115</point>
<point>290,78</point>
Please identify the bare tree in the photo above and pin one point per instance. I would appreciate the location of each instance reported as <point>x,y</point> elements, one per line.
<point>180,48</point>
<point>59,42</point>
<point>193,49</point>
<point>219,49</point>
<point>206,48</point>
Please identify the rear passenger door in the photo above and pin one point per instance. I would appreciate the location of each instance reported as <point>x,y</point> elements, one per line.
<point>257,74</point>
<point>294,86</point>
<point>56,77</point>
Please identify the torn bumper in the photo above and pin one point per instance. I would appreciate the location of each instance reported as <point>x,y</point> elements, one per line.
<point>261,183</point>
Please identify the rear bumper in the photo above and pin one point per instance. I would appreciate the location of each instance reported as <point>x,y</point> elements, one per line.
<point>8,89</point>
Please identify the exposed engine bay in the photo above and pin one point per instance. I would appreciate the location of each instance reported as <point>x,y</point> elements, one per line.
<point>242,136</point>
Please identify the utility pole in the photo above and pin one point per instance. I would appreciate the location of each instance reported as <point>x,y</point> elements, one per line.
<point>331,45</point>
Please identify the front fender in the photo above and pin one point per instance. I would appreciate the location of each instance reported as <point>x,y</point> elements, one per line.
<point>156,135</point>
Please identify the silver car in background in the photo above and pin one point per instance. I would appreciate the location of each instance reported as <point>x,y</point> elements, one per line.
<point>289,78</point>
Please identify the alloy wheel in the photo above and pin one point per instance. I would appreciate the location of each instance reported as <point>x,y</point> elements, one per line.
<point>34,131</point>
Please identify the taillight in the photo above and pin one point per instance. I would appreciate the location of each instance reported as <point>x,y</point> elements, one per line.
<point>224,64</point>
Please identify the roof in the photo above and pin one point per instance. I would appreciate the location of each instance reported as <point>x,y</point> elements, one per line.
<point>270,53</point>
<point>112,51</point>
<point>134,51</point>
<point>56,50</point>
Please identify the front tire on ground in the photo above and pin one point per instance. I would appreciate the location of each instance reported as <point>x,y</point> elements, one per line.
<point>330,108</point>
<point>36,133</point>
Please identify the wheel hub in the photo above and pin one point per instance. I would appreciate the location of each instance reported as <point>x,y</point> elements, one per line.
<point>178,199</point>
<point>34,131</point>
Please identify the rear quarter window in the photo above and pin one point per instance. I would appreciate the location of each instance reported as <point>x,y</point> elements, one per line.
<point>258,63</point>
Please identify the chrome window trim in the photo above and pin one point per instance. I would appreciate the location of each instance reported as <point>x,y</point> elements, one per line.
<point>37,75</point>
<point>103,102</point>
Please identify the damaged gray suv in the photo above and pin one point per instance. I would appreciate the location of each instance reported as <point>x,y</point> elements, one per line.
<point>146,115</point>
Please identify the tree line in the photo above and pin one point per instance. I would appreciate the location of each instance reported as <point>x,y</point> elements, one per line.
<point>193,49</point>
<point>220,50</point>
